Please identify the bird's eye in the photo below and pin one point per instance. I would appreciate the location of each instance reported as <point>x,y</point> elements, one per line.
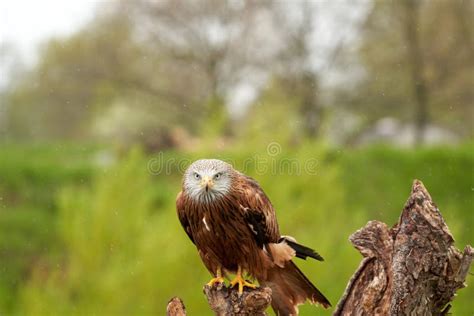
<point>197,176</point>
<point>217,176</point>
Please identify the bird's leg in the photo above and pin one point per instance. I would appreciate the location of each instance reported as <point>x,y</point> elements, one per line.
<point>241,281</point>
<point>217,279</point>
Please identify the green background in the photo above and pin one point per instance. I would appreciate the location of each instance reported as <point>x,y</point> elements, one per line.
<point>78,237</point>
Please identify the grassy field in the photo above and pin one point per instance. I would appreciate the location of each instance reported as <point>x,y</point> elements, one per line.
<point>86,231</point>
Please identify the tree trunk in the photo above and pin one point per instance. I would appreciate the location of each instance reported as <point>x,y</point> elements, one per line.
<point>409,269</point>
<point>411,25</point>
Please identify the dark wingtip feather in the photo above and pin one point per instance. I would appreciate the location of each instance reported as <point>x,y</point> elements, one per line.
<point>322,300</point>
<point>303,252</point>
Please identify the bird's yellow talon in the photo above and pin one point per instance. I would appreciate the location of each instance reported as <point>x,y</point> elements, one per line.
<point>241,282</point>
<point>217,279</point>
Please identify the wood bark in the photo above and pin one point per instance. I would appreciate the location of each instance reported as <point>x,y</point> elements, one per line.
<point>409,269</point>
<point>175,307</point>
<point>225,301</point>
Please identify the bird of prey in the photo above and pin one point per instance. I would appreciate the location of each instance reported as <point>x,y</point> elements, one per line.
<point>232,222</point>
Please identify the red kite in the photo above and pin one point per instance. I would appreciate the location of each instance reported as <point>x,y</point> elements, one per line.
<point>232,222</point>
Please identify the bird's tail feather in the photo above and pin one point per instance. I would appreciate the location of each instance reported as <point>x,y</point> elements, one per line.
<point>290,288</point>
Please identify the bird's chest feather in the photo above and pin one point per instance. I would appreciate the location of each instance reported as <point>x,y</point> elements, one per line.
<point>220,230</point>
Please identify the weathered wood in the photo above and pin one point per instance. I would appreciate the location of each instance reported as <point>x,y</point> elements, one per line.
<point>175,307</point>
<point>225,301</point>
<point>411,269</point>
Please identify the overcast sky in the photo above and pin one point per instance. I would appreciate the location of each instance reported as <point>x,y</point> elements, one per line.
<point>25,24</point>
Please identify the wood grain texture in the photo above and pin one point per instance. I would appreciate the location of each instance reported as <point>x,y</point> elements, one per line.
<point>411,269</point>
<point>225,301</point>
<point>175,307</point>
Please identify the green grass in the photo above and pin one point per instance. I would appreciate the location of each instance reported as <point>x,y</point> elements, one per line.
<point>30,178</point>
<point>380,179</point>
<point>78,238</point>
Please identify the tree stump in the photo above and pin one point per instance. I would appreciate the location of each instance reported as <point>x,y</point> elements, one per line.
<point>175,307</point>
<point>225,301</point>
<point>411,269</point>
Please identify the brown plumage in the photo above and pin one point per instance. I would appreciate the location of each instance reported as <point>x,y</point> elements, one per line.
<point>233,225</point>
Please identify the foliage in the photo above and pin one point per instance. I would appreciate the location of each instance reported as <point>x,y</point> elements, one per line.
<point>141,67</point>
<point>30,177</point>
<point>446,64</point>
<point>115,245</point>
<point>73,80</point>
<point>275,106</point>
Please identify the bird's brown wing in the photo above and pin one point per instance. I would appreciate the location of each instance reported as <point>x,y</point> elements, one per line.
<point>258,211</point>
<point>183,216</point>
<point>290,287</point>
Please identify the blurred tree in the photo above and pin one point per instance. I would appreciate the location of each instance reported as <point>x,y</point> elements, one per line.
<point>56,98</point>
<point>142,68</point>
<point>306,58</point>
<point>297,72</point>
<point>275,104</point>
<point>174,64</point>
<point>11,67</point>
<point>417,65</point>
<point>82,79</point>
<point>410,12</point>
<point>219,43</point>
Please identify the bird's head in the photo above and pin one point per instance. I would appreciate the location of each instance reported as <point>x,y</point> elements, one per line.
<point>208,179</point>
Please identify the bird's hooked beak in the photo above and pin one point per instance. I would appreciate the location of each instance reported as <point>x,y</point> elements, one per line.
<point>207,183</point>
